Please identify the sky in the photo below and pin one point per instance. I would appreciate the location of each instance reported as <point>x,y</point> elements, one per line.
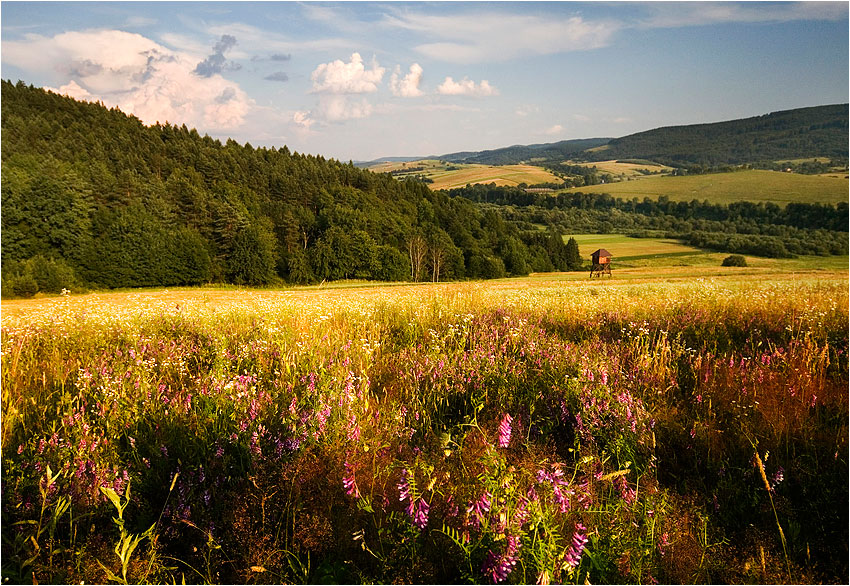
<point>363,80</point>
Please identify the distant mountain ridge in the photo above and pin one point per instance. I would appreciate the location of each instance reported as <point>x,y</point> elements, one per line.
<point>521,153</point>
<point>819,131</point>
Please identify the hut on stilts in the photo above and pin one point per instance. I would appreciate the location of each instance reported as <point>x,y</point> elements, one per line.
<point>601,263</point>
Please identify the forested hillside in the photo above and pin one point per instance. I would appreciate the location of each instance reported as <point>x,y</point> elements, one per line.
<point>511,155</point>
<point>791,134</point>
<point>93,197</point>
<point>802,133</point>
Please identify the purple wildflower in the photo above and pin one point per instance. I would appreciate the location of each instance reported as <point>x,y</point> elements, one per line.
<point>626,492</point>
<point>505,431</point>
<point>778,477</point>
<point>499,566</point>
<point>663,542</point>
<point>404,492</point>
<point>481,506</point>
<point>573,555</point>
<point>349,483</point>
<point>420,519</point>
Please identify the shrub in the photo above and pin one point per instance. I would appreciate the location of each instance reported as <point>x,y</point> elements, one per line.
<point>23,285</point>
<point>734,260</point>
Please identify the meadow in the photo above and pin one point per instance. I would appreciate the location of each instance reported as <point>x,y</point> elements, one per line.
<point>547,429</point>
<point>725,188</point>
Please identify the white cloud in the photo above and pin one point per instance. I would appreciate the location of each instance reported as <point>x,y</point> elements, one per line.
<point>408,86</point>
<point>526,110</point>
<point>333,109</point>
<point>478,37</point>
<point>466,87</point>
<point>302,118</point>
<point>135,74</point>
<point>554,130</point>
<point>338,77</point>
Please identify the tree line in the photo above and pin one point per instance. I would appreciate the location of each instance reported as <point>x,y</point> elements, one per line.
<point>92,197</point>
<point>762,229</point>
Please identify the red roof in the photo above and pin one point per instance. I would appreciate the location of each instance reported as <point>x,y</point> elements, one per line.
<point>601,252</point>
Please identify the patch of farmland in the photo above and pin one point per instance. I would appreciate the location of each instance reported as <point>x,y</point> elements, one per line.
<point>627,170</point>
<point>725,188</point>
<point>450,175</point>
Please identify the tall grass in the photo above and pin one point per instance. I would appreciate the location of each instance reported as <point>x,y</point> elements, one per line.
<point>690,432</point>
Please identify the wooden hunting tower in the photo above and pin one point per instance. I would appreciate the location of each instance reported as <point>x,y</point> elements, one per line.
<point>601,263</point>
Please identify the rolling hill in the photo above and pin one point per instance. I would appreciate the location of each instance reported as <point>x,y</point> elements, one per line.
<point>804,132</point>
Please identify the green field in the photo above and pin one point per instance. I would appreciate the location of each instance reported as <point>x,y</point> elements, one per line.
<point>646,258</point>
<point>725,188</point>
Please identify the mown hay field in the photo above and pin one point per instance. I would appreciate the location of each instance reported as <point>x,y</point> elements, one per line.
<point>724,188</point>
<point>528,430</point>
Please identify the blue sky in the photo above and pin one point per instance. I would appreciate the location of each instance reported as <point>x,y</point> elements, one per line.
<point>359,80</point>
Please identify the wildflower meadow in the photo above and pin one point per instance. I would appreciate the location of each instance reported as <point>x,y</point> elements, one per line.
<point>672,432</point>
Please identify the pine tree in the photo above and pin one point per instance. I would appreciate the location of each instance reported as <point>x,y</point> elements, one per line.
<point>573,256</point>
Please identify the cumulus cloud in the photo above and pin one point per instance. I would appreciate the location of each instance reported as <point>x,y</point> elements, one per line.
<point>333,109</point>
<point>466,87</point>
<point>303,119</point>
<point>554,130</point>
<point>339,77</point>
<point>135,74</point>
<point>341,108</point>
<point>407,86</point>
<point>217,62</point>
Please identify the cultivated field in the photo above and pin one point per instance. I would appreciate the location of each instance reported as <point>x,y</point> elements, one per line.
<point>725,188</point>
<point>451,175</point>
<point>626,170</point>
<point>526,430</point>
